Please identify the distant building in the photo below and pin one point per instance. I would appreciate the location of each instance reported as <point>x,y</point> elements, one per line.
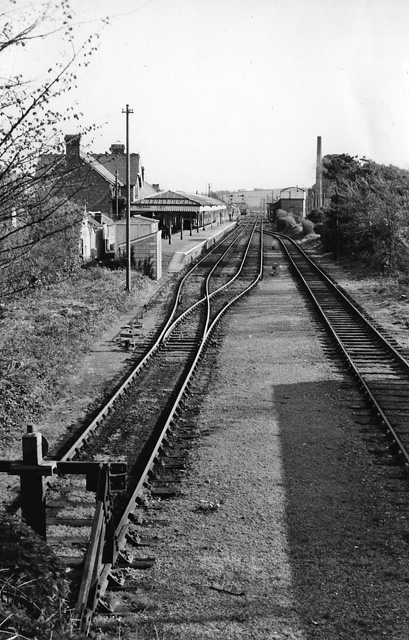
<point>104,239</point>
<point>238,200</point>
<point>293,200</point>
<point>97,181</point>
<point>177,210</point>
<point>97,236</point>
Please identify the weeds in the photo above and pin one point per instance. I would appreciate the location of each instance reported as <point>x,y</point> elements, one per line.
<point>207,506</point>
<point>44,334</point>
<point>33,588</point>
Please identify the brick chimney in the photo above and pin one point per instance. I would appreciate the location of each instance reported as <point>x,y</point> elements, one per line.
<point>72,146</point>
<point>117,149</point>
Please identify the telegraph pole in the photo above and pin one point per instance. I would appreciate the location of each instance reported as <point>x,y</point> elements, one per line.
<point>127,111</point>
<point>318,179</point>
<point>116,196</point>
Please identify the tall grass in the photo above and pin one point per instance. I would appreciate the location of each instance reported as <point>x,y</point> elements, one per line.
<point>45,333</point>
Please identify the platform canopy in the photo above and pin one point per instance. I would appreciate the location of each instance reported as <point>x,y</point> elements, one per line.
<point>177,202</point>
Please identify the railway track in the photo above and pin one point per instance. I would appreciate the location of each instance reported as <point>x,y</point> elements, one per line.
<point>377,362</point>
<point>90,507</point>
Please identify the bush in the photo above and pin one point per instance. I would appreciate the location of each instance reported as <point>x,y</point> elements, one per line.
<point>307,227</point>
<point>285,221</point>
<point>38,251</point>
<point>315,216</point>
<point>33,587</point>
<point>319,228</point>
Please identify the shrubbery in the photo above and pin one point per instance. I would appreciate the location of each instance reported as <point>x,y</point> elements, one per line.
<point>285,221</point>
<point>41,248</point>
<point>307,227</point>
<point>33,587</point>
<point>366,218</point>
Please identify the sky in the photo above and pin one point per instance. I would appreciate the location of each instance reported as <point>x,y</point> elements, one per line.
<point>233,93</point>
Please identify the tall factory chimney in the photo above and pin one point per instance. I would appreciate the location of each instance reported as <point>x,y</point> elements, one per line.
<point>318,180</point>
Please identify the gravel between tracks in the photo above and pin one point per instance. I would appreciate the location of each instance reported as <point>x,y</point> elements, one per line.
<point>285,526</point>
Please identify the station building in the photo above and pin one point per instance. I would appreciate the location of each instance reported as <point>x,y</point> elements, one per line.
<point>177,211</point>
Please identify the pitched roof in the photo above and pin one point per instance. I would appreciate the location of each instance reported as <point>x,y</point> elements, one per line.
<point>100,168</point>
<point>94,223</point>
<point>292,193</point>
<point>146,190</point>
<point>106,164</point>
<point>112,162</point>
<point>180,197</point>
<point>98,219</point>
<point>203,200</point>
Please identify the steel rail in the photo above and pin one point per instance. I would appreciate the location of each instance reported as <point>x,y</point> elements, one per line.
<point>401,447</point>
<point>208,295</point>
<point>172,325</point>
<point>107,406</point>
<point>123,524</point>
<point>335,286</point>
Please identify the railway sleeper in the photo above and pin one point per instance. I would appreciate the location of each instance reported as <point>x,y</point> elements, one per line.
<point>163,478</point>
<point>136,563</point>
<point>173,463</point>
<point>175,453</point>
<point>164,492</point>
<point>138,541</point>
<point>71,522</point>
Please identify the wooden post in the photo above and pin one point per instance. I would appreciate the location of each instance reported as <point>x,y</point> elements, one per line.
<point>32,483</point>
<point>32,469</point>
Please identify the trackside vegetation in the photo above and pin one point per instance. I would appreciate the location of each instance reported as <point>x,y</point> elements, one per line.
<point>46,331</point>
<point>44,334</point>
<point>365,219</point>
<point>33,586</point>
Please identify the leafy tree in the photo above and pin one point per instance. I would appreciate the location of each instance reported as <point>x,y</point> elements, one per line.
<point>33,206</point>
<point>315,216</point>
<point>367,218</point>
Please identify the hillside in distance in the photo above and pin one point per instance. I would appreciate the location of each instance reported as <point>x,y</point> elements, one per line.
<point>253,199</point>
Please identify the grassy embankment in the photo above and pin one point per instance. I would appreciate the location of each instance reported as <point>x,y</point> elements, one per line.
<point>43,336</point>
<point>45,333</point>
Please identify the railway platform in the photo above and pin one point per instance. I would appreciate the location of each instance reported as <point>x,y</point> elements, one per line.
<point>181,251</point>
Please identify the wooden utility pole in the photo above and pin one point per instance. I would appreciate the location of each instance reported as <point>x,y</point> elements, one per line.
<point>127,111</point>
<point>116,196</point>
<point>318,179</point>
